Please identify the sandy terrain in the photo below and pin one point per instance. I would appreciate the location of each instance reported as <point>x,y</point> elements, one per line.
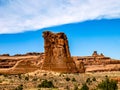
<point>9,82</point>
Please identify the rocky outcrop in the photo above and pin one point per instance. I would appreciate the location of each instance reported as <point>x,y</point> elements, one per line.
<point>7,63</point>
<point>19,64</point>
<point>56,58</point>
<point>94,54</point>
<point>102,68</point>
<point>96,63</point>
<point>24,66</point>
<point>57,54</point>
<point>80,66</point>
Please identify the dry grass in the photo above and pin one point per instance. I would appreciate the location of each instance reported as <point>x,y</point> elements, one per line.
<point>59,80</point>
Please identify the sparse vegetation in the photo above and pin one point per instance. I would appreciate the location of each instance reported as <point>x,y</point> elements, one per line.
<point>27,78</point>
<point>46,84</point>
<point>33,53</point>
<point>20,87</point>
<point>5,55</point>
<point>5,75</point>
<point>73,80</point>
<point>1,81</point>
<point>67,79</point>
<point>19,75</point>
<point>94,79</point>
<point>88,81</point>
<point>76,87</point>
<point>34,79</point>
<point>45,74</point>
<point>54,81</point>
<point>27,54</point>
<point>67,87</point>
<point>108,84</point>
<point>84,87</point>
<point>18,55</point>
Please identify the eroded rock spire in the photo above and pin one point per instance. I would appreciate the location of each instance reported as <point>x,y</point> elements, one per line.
<point>57,54</point>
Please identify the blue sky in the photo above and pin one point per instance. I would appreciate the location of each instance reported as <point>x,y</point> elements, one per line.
<point>89,24</point>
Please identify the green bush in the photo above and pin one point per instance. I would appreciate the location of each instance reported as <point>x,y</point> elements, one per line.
<point>5,75</point>
<point>20,87</point>
<point>73,79</point>
<point>46,84</point>
<point>88,81</point>
<point>26,78</point>
<point>45,74</point>
<point>67,79</point>
<point>94,79</point>
<point>84,87</point>
<point>34,79</point>
<point>108,85</point>
<point>19,76</point>
<point>76,87</point>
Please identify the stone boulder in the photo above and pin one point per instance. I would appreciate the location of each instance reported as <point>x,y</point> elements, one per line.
<point>57,54</point>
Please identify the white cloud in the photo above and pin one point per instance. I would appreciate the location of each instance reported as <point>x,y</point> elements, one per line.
<point>22,15</point>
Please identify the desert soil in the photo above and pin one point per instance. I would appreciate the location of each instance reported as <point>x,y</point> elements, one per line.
<point>31,80</point>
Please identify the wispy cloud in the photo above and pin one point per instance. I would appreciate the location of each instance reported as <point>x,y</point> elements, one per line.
<point>22,15</point>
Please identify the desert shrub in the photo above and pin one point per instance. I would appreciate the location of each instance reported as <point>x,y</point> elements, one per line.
<point>26,78</point>
<point>19,76</point>
<point>5,75</point>
<point>34,79</point>
<point>94,79</point>
<point>73,79</point>
<point>108,84</point>
<point>18,55</point>
<point>45,74</point>
<point>5,55</point>
<point>33,53</point>
<point>1,81</point>
<point>20,87</point>
<point>84,87</point>
<point>76,87</point>
<point>88,80</point>
<point>67,88</point>
<point>46,84</point>
<point>67,79</point>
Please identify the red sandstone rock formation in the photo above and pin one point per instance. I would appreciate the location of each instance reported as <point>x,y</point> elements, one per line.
<point>19,64</point>
<point>80,66</point>
<point>96,63</point>
<point>95,54</point>
<point>57,55</point>
<point>24,66</point>
<point>56,58</point>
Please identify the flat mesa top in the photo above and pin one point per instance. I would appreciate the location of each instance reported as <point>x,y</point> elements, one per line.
<point>17,57</point>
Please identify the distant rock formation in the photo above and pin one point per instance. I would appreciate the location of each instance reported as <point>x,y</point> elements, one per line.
<point>96,62</point>
<point>57,54</point>
<point>19,64</point>
<point>95,54</point>
<point>24,66</point>
<point>56,58</point>
<point>95,59</point>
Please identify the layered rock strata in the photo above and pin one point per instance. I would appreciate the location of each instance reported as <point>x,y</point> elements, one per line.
<point>57,54</point>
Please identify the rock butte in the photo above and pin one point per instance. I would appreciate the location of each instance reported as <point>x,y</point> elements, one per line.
<point>57,54</point>
<point>56,58</point>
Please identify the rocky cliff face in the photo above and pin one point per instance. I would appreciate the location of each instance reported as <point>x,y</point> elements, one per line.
<point>20,64</point>
<point>57,54</point>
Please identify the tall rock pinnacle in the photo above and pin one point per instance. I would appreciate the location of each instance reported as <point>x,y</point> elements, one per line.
<point>57,54</point>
